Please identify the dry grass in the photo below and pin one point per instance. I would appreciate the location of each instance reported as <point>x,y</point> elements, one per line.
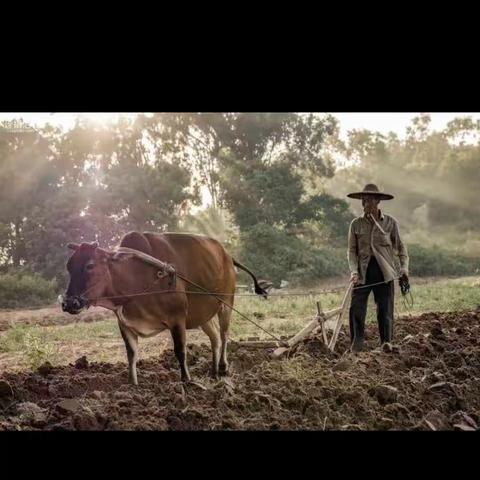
<point>36,336</point>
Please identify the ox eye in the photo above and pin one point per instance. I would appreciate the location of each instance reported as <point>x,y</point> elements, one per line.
<point>89,267</point>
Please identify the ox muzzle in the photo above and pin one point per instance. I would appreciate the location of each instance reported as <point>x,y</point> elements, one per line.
<point>73,304</point>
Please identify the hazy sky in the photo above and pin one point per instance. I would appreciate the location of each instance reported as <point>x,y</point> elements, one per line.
<point>383,122</point>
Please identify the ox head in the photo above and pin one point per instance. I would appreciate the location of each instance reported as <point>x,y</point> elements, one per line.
<point>90,268</point>
<point>89,276</point>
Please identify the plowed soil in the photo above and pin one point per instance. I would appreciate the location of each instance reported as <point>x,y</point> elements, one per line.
<point>430,381</point>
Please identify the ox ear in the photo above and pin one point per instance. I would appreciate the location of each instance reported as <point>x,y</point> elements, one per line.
<point>73,246</point>
<point>103,255</point>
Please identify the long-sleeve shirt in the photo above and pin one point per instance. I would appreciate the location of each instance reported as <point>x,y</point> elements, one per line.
<point>380,238</point>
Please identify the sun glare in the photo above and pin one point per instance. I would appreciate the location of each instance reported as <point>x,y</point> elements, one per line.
<point>104,118</point>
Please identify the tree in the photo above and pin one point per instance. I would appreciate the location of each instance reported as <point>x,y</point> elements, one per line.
<point>88,183</point>
<point>138,189</point>
<point>433,175</point>
<point>257,167</point>
<point>215,223</point>
<point>26,180</point>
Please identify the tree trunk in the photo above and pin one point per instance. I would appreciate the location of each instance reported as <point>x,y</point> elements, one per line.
<point>18,247</point>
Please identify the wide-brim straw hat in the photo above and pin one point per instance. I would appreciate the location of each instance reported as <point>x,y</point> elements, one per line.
<point>371,189</point>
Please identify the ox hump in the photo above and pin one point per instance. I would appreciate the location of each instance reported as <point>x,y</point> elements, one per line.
<point>136,241</point>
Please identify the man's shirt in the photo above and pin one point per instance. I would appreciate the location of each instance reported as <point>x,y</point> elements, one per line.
<point>366,238</point>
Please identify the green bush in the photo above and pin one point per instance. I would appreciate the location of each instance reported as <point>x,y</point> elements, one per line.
<point>273,254</point>
<point>22,289</point>
<point>433,261</point>
<point>34,344</point>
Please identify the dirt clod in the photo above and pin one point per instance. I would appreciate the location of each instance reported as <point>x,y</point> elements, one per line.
<point>69,405</point>
<point>5,389</point>
<point>81,363</point>
<point>45,368</point>
<point>384,394</point>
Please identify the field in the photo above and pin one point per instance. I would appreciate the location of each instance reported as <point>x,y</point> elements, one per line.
<point>430,380</point>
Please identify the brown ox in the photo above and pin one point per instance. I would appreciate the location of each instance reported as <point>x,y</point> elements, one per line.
<point>111,280</point>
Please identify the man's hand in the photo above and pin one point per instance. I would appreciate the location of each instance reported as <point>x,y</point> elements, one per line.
<point>404,283</point>
<point>354,278</point>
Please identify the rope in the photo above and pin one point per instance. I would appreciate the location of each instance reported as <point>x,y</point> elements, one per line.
<point>223,294</point>
<point>373,284</point>
<point>286,294</point>
<point>216,295</point>
<point>234,309</point>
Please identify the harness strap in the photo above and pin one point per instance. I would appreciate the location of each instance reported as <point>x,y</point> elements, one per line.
<point>377,224</point>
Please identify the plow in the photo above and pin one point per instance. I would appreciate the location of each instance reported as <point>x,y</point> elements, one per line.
<point>325,322</point>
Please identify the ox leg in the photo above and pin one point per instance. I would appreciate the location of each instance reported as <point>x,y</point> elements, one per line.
<point>211,329</point>
<point>224,317</point>
<point>131,344</point>
<point>179,336</point>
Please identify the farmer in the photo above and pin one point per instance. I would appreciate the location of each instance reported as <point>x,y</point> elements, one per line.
<point>372,240</point>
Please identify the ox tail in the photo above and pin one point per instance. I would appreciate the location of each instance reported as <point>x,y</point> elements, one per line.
<point>258,289</point>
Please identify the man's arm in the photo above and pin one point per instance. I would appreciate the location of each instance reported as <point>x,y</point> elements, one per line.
<point>400,249</point>
<point>352,252</point>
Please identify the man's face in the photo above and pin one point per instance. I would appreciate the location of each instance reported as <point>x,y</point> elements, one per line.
<point>370,203</point>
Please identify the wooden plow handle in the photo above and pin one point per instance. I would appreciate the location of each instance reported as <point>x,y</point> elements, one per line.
<point>333,340</point>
